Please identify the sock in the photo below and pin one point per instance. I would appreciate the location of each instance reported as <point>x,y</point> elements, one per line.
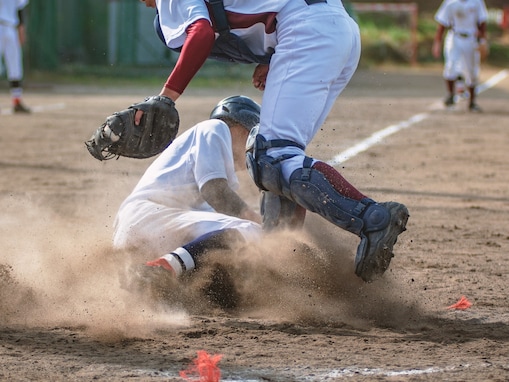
<point>337,181</point>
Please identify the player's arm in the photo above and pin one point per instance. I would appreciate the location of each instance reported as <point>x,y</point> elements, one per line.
<point>482,42</point>
<point>197,46</point>
<point>223,199</point>
<point>437,42</point>
<point>21,26</point>
<point>481,31</point>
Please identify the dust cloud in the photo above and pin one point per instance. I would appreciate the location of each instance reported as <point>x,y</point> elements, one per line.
<point>57,272</point>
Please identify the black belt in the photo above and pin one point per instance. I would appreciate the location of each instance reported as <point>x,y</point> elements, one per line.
<point>309,2</point>
<point>464,35</point>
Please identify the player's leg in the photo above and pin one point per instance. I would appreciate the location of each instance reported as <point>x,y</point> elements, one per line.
<point>189,256</point>
<point>205,231</point>
<point>472,62</point>
<point>451,71</point>
<point>14,65</point>
<point>319,188</point>
<point>159,229</point>
<point>307,62</point>
<point>312,63</point>
<point>288,114</point>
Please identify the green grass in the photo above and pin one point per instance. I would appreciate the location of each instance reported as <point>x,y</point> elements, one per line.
<point>386,39</point>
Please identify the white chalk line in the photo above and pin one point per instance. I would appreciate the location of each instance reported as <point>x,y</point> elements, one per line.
<point>378,136</point>
<point>318,375</point>
<point>36,109</point>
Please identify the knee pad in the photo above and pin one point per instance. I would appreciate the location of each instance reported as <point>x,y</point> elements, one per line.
<point>265,172</point>
<point>310,189</point>
<point>264,169</point>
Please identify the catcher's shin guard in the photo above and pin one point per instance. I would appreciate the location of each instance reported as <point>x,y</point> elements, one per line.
<point>378,225</point>
<point>309,188</point>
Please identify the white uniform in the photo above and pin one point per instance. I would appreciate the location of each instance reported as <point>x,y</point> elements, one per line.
<point>311,66</point>
<point>462,17</point>
<point>165,210</point>
<point>10,47</point>
<point>176,16</point>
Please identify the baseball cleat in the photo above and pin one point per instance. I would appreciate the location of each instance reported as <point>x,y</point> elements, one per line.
<point>19,108</point>
<point>374,253</point>
<point>474,108</point>
<point>449,101</point>
<point>162,263</point>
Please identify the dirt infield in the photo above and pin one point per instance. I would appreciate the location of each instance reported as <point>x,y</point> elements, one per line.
<point>72,309</point>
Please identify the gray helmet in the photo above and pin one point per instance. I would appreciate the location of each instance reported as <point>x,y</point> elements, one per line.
<point>240,109</point>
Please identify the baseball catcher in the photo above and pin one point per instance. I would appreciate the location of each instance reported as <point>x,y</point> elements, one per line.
<point>121,135</point>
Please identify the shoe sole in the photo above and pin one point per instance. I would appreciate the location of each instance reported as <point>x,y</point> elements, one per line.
<point>377,258</point>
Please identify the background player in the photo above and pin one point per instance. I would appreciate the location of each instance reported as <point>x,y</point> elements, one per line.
<point>316,47</point>
<point>465,21</point>
<point>12,37</point>
<point>186,199</point>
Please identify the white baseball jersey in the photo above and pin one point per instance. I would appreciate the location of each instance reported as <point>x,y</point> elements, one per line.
<point>175,16</point>
<point>10,48</point>
<point>165,210</point>
<point>9,11</point>
<point>462,17</point>
<point>317,50</point>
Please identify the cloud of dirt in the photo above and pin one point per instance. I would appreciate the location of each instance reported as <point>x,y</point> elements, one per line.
<point>303,277</point>
<point>58,271</point>
<point>55,271</point>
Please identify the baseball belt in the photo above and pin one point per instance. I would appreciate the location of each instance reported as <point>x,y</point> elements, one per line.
<point>310,2</point>
<point>464,35</point>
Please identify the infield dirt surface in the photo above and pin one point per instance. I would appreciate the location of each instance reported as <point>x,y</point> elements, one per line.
<point>72,309</point>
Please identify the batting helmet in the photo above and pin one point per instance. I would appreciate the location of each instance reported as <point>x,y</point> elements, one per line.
<point>240,109</point>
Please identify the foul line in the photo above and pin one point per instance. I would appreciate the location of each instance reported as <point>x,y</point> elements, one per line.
<point>378,136</point>
<point>37,109</point>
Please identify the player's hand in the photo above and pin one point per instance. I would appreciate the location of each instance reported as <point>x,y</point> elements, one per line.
<point>436,49</point>
<point>149,3</point>
<point>260,76</point>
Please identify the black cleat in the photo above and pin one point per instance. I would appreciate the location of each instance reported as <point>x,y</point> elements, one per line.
<point>19,108</point>
<point>474,108</point>
<point>449,101</point>
<point>374,253</point>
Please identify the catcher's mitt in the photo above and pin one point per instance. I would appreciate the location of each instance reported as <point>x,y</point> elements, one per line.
<point>119,136</point>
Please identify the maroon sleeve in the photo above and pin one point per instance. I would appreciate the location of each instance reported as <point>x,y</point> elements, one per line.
<point>197,46</point>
